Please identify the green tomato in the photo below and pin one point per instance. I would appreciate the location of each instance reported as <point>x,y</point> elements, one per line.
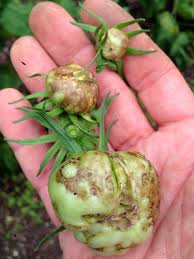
<point>72,87</point>
<point>116,44</point>
<point>109,200</point>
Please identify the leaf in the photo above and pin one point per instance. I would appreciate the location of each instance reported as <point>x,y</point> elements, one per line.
<point>44,105</point>
<point>185,9</point>
<point>31,96</point>
<point>98,18</point>
<point>94,59</point>
<point>107,134</point>
<point>88,118</point>
<point>147,114</point>
<point>102,62</point>
<point>55,111</point>
<point>122,25</point>
<point>39,140</point>
<point>25,117</point>
<point>41,105</point>
<point>136,32</point>
<point>102,111</point>
<point>59,159</point>
<point>50,154</point>
<point>86,27</point>
<point>132,51</point>
<point>101,37</point>
<point>119,64</point>
<point>14,18</point>
<point>99,32</point>
<point>48,237</point>
<point>8,77</point>
<point>88,143</point>
<point>168,23</point>
<point>75,121</point>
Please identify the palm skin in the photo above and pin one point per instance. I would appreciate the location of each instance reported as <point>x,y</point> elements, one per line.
<point>164,93</point>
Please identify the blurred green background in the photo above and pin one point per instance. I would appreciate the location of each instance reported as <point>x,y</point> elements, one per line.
<point>171,25</point>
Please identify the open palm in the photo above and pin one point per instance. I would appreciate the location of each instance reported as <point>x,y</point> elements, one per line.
<point>161,88</point>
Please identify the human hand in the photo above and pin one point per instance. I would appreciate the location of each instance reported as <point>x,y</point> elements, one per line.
<point>164,93</point>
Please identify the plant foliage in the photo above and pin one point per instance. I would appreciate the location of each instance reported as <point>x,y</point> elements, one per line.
<point>172,28</point>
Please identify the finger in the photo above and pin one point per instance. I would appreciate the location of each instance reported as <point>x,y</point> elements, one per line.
<point>29,157</point>
<point>80,251</point>
<point>69,44</point>
<point>28,58</point>
<point>160,85</point>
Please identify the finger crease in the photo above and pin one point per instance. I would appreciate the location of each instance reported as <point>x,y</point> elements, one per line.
<point>152,79</point>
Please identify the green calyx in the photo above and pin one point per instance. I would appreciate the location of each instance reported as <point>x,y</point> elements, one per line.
<point>109,200</point>
<point>111,43</point>
<point>72,131</point>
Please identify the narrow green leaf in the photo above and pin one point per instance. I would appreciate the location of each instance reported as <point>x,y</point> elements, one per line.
<point>31,96</point>
<point>99,32</point>
<point>88,118</point>
<point>89,143</point>
<point>86,27</point>
<point>98,18</point>
<point>107,134</point>
<point>56,111</point>
<point>102,111</point>
<point>93,60</point>
<point>59,159</point>
<point>39,140</point>
<point>23,118</point>
<point>102,126</point>
<point>119,64</point>
<point>95,114</point>
<point>100,44</point>
<point>30,113</point>
<point>48,237</point>
<point>41,105</point>
<point>102,62</point>
<point>50,154</point>
<point>45,105</point>
<point>76,122</point>
<point>132,51</point>
<point>147,114</point>
<point>136,32</point>
<point>122,25</point>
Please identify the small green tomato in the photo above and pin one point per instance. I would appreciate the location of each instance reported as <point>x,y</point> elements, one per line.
<point>116,44</point>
